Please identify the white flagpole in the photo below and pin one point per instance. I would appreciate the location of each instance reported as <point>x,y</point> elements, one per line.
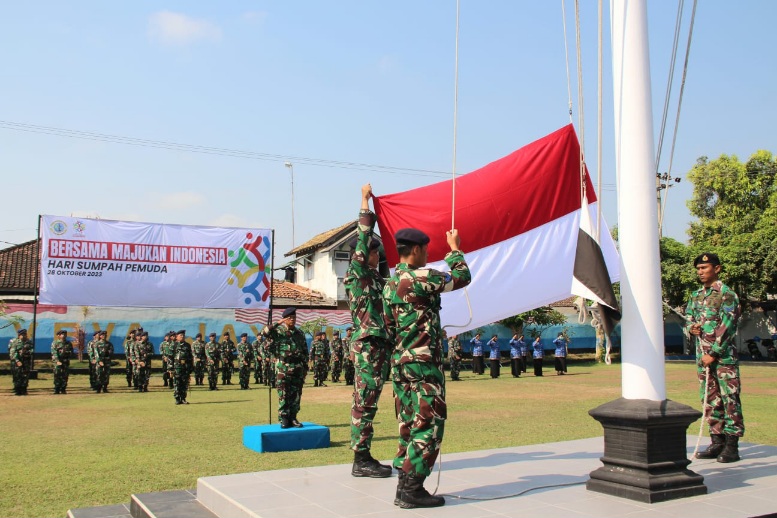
<point>642,327</point>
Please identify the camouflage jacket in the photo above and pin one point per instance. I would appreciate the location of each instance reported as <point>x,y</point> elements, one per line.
<point>227,351</point>
<point>90,350</point>
<point>412,305</point>
<point>103,352</point>
<point>319,351</point>
<point>182,357</point>
<point>454,349</point>
<point>245,353</point>
<point>19,350</point>
<point>336,349</point>
<point>213,352</point>
<point>717,310</point>
<point>287,345</point>
<point>165,350</point>
<point>142,353</point>
<point>364,285</point>
<point>258,349</point>
<point>61,350</point>
<point>198,350</point>
<point>129,346</point>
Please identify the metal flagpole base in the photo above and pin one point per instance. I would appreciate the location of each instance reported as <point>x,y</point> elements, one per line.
<point>645,455</point>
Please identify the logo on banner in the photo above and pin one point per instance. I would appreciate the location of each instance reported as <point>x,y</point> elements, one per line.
<point>79,226</point>
<point>58,227</point>
<point>249,268</point>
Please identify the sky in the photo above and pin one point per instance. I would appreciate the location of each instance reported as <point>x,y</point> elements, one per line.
<point>348,92</point>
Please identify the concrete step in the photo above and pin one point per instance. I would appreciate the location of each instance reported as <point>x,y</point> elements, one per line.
<point>164,504</point>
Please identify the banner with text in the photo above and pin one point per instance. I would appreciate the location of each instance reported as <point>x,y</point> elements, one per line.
<point>91,262</point>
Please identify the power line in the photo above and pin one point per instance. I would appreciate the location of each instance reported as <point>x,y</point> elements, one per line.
<point>236,153</point>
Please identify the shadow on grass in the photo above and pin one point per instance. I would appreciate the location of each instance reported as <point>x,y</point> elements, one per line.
<point>219,402</point>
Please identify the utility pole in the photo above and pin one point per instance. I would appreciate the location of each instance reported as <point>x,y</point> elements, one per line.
<point>663,183</point>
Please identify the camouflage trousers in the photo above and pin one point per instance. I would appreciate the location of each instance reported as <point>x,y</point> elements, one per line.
<point>21,378</point>
<point>130,370</point>
<point>269,372</point>
<point>102,374</point>
<point>348,371</point>
<point>320,368</point>
<point>226,372</point>
<point>289,380</point>
<point>337,368</point>
<point>419,400</point>
<point>180,378</point>
<point>61,375</point>
<point>92,375</point>
<point>723,406</point>
<point>455,369</point>
<point>258,371</point>
<point>142,375</point>
<point>244,375</point>
<point>213,374</point>
<point>199,371</point>
<point>372,369</point>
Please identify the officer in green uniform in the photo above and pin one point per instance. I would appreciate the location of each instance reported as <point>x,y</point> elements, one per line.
<point>712,316</point>
<point>336,351</point>
<point>319,357</point>
<point>198,350</point>
<point>412,307</point>
<point>454,357</point>
<point>244,358</point>
<point>141,358</point>
<point>19,353</point>
<point>103,355</point>
<point>92,355</point>
<point>287,342</point>
<point>213,355</point>
<point>165,348</point>
<point>227,359</point>
<point>182,366</point>
<point>257,350</point>
<point>129,343</point>
<point>348,366</point>
<point>61,351</point>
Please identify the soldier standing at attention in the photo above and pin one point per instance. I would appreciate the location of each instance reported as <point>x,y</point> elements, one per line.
<point>198,350</point>
<point>142,353</point>
<point>336,351</point>
<point>348,366</point>
<point>244,358</point>
<point>269,363</point>
<point>369,345</point>
<point>19,353</point>
<point>712,316</point>
<point>227,358</point>
<point>61,351</point>
<point>129,342</point>
<point>90,353</point>
<point>183,364</point>
<point>287,342</point>
<point>257,350</point>
<point>320,358</point>
<point>412,306</point>
<point>515,356</point>
<point>454,357</point>
<point>213,354</point>
<point>103,350</point>
<point>164,352</point>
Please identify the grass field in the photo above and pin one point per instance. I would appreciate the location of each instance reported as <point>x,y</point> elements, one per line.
<point>85,449</point>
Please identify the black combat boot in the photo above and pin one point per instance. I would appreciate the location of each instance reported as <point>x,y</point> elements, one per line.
<point>414,495</point>
<point>714,449</point>
<point>730,451</point>
<point>294,422</point>
<point>400,485</point>
<point>365,466</point>
<point>285,422</point>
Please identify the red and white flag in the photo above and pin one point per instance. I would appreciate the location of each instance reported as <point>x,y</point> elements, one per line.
<point>518,218</point>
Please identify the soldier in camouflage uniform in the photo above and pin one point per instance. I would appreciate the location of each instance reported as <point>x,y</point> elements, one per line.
<point>454,357</point>
<point>412,306</point>
<point>103,350</point>
<point>257,350</point>
<point>348,366</point>
<point>165,348</point>
<point>213,355</point>
<point>319,357</point>
<point>61,351</point>
<point>370,345</point>
<point>336,351</point>
<point>287,343</point>
<point>92,355</point>
<point>245,355</point>
<point>269,363</point>
<point>227,352</point>
<point>129,343</point>
<point>182,366</point>
<point>19,353</point>
<point>712,316</point>
<point>198,350</point>
<point>141,358</point>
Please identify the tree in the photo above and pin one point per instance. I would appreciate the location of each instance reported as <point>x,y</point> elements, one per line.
<point>540,319</point>
<point>7,320</point>
<point>313,326</point>
<point>735,205</point>
<point>678,279</point>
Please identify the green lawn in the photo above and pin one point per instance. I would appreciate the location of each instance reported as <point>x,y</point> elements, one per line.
<point>85,449</point>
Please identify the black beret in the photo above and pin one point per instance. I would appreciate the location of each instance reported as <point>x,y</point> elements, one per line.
<point>244,335</point>
<point>198,335</point>
<point>61,332</point>
<point>23,332</point>
<point>707,258</point>
<point>289,312</point>
<point>103,332</point>
<point>172,332</point>
<point>336,332</point>
<point>374,244</point>
<point>226,334</point>
<point>212,334</point>
<point>181,332</point>
<point>96,333</point>
<point>144,334</point>
<point>411,236</point>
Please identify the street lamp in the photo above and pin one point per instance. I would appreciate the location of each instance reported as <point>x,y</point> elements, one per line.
<point>291,168</point>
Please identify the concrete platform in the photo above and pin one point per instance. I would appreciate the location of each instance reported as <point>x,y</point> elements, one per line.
<point>508,482</point>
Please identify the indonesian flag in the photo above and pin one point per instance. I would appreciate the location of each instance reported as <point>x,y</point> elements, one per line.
<point>518,219</point>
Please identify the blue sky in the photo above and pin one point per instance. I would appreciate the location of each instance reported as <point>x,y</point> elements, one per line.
<point>348,82</point>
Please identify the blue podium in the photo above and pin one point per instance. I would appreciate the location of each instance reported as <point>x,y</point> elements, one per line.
<point>271,437</point>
